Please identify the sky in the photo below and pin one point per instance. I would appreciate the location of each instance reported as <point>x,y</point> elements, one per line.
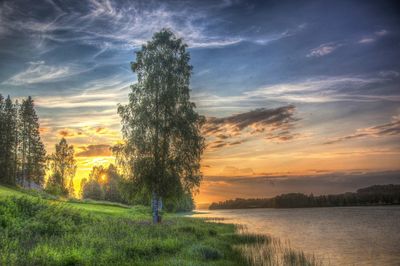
<point>300,96</point>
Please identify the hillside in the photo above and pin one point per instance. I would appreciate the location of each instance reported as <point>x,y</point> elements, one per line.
<point>38,230</point>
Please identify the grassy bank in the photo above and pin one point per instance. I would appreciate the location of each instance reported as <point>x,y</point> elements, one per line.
<point>37,231</point>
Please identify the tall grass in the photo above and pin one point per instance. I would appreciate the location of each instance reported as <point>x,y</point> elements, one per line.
<point>269,251</point>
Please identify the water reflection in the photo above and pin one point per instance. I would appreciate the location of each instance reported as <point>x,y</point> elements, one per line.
<point>337,235</point>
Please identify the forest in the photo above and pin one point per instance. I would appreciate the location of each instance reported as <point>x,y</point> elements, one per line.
<point>372,195</point>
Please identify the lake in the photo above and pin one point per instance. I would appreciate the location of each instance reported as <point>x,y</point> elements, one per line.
<point>335,235</point>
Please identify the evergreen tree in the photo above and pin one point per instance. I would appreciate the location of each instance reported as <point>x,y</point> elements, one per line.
<point>2,140</point>
<point>33,154</point>
<point>9,152</point>
<point>63,168</point>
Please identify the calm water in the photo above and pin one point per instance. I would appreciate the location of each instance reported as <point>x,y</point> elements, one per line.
<point>337,236</point>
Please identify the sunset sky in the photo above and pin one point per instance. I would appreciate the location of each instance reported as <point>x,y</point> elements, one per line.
<point>300,96</point>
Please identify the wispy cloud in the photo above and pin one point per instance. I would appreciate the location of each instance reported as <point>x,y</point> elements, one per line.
<point>95,93</point>
<point>389,129</point>
<point>40,72</point>
<point>313,90</point>
<point>281,35</point>
<point>111,24</point>
<point>373,37</point>
<point>323,49</point>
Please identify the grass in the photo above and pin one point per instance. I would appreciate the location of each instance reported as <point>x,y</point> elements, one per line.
<point>36,229</point>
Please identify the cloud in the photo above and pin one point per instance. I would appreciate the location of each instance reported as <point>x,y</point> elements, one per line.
<point>278,36</point>
<point>230,130</point>
<point>389,74</point>
<point>95,150</point>
<point>381,32</point>
<point>366,40</point>
<point>69,133</point>
<point>323,49</point>
<point>100,92</point>
<point>39,72</point>
<point>116,24</point>
<point>282,136</point>
<point>86,131</point>
<point>234,171</point>
<point>257,120</point>
<point>320,89</point>
<point>221,143</point>
<point>373,37</point>
<point>389,129</point>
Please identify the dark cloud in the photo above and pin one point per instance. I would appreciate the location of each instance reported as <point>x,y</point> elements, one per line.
<point>276,123</point>
<point>388,129</point>
<point>221,143</point>
<point>258,119</point>
<point>95,150</point>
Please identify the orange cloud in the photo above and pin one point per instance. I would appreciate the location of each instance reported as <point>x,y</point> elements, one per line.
<point>95,150</point>
<point>69,133</point>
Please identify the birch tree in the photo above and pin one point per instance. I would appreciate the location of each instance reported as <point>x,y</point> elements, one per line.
<point>160,127</point>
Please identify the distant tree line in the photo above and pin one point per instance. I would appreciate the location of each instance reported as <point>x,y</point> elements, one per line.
<point>104,183</point>
<point>373,195</point>
<point>22,153</point>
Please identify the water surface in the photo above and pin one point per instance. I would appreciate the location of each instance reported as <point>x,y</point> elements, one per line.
<point>335,235</point>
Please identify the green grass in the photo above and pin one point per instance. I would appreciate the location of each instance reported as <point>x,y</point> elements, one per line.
<point>36,229</point>
<point>94,207</point>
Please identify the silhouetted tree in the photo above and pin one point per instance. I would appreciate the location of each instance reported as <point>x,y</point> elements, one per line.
<point>161,129</point>
<point>63,169</point>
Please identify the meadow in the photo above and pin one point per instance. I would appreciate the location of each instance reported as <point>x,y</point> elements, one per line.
<point>39,229</point>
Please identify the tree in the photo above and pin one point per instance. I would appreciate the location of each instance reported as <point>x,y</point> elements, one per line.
<point>63,168</point>
<point>111,185</point>
<point>160,126</point>
<point>9,134</point>
<point>33,159</point>
<point>92,188</point>
<point>2,140</point>
<point>103,184</point>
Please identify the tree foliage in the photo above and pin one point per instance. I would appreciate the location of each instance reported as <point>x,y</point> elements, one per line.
<point>103,184</point>
<point>63,168</point>
<point>22,153</point>
<point>160,126</point>
<point>32,148</point>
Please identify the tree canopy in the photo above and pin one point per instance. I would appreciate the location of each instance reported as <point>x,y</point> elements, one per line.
<point>22,153</point>
<point>161,129</point>
<point>63,168</point>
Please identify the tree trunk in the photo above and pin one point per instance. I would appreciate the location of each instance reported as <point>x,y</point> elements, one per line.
<point>154,204</point>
